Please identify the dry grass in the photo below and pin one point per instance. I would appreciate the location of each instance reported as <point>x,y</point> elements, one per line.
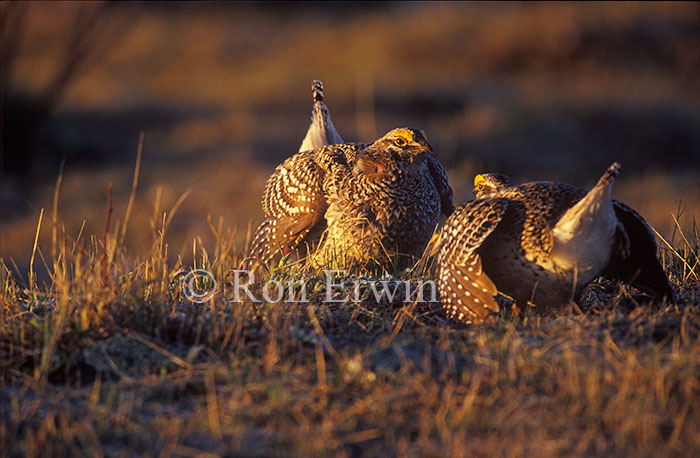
<point>543,91</point>
<point>117,362</point>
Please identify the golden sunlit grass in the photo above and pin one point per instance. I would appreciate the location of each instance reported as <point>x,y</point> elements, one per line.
<point>101,353</point>
<point>118,361</point>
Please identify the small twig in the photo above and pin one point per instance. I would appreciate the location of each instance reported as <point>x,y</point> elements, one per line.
<point>678,255</point>
<point>104,235</point>
<point>56,192</point>
<point>134,185</point>
<point>319,331</point>
<point>36,242</point>
<point>173,357</point>
<point>212,405</point>
<point>174,208</point>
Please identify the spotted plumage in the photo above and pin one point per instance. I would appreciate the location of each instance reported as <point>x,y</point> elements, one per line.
<point>293,192</point>
<point>541,243</point>
<point>356,203</point>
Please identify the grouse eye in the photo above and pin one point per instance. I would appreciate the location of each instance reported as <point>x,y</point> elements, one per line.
<point>400,142</point>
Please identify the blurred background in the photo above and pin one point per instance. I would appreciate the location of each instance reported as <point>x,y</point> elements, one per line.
<point>221,91</point>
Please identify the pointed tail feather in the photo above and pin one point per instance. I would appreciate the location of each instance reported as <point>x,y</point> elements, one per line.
<point>610,174</point>
<point>321,132</point>
<point>587,228</point>
<point>317,90</point>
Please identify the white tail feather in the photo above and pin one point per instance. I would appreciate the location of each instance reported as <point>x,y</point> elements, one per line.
<point>321,131</point>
